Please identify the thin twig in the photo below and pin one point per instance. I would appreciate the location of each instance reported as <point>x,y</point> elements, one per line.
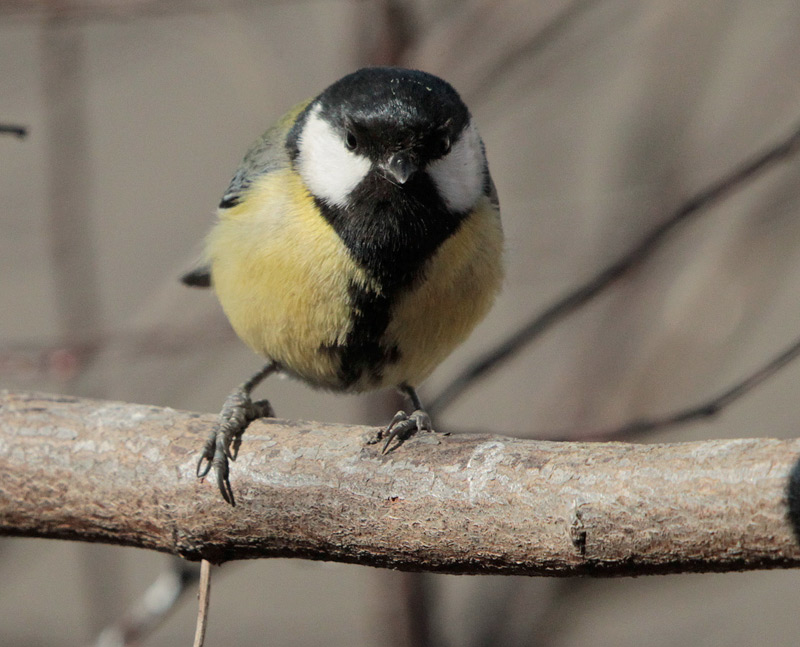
<point>149,611</point>
<point>387,35</point>
<point>704,410</point>
<point>19,131</point>
<point>514,54</point>
<point>203,595</point>
<point>616,270</point>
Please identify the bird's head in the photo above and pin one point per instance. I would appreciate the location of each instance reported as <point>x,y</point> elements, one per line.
<point>389,131</point>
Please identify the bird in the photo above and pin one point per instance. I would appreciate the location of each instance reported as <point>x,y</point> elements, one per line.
<point>358,243</point>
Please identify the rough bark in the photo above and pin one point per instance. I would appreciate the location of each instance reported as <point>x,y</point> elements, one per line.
<point>120,473</point>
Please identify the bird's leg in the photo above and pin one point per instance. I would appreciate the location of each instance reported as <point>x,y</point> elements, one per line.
<point>226,437</point>
<point>403,425</point>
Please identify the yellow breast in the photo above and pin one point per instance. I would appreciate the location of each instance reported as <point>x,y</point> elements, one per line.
<point>282,274</point>
<point>461,282</point>
<point>285,280</point>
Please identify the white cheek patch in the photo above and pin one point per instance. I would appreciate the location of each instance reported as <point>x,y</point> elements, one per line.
<point>459,174</point>
<point>329,170</point>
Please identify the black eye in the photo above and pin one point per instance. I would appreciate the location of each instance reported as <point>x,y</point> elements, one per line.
<point>350,140</point>
<point>444,145</point>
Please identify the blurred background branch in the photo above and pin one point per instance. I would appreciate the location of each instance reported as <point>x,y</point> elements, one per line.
<point>577,297</point>
<point>19,131</point>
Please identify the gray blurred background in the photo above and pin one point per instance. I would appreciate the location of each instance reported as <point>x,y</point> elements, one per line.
<point>600,117</point>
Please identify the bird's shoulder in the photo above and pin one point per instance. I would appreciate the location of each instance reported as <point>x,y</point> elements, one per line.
<point>266,155</point>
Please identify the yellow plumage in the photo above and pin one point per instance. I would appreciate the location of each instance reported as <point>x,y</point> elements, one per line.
<point>357,245</point>
<point>459,286</point>
<point>282,274</point>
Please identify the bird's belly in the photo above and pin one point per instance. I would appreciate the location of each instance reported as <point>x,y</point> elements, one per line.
<point>283,278</point>
<point>462,281</point>
<point>293,293</point>
<point>294,314</point>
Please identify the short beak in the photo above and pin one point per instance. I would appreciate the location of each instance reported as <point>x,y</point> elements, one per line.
<point>401,166</point>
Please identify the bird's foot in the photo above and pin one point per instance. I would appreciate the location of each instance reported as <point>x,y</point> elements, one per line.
<point>226,437</point>
<point>402,427</point>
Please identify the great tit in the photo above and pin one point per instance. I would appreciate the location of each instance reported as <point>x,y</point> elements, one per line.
<point>357,245</point>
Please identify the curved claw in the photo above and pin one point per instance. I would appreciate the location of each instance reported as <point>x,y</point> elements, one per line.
<point>207,455</point>
<point>403,426</point>
<point>202,473</point>
<point>232,451</point>
<point>225,489</point>
<point>223,444</point>
<point>216,454</point>
<point>223,482</point>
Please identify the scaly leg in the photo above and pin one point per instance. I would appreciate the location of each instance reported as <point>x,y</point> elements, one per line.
<point>237,412</point>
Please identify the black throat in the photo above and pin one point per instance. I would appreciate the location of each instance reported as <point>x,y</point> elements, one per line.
<point>391,230</point>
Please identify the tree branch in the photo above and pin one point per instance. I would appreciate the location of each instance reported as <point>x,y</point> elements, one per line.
<point>121,473</point>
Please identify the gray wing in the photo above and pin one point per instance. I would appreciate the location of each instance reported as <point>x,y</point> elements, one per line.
<point>489,189</point>
<point>267,154</point>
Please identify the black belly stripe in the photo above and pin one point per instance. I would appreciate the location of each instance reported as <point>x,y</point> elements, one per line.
<point>363,354</point>
<point>391,231</point>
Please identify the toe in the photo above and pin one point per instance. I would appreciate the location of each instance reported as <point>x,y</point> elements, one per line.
<point>220,462</point>
<point>403,426</point>
<point>207,455</point>
<point>401,431</point>
<point>423,420</point>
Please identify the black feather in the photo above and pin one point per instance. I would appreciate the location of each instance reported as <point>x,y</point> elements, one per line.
<point>198,278</point>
